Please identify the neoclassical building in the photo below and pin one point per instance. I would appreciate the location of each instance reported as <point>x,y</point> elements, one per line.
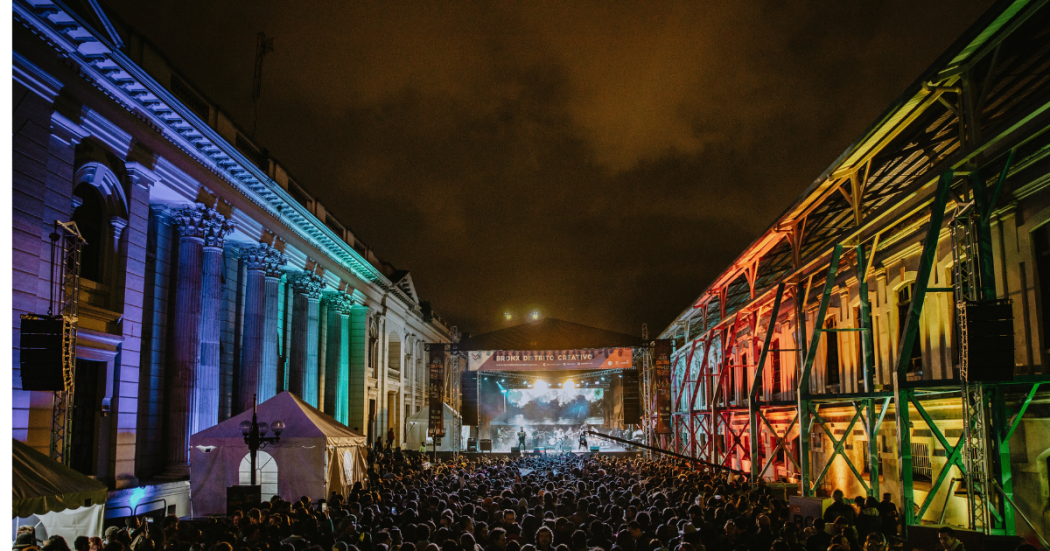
<point>208,274</point>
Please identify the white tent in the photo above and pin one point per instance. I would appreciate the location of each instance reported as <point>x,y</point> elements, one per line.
<point>419,422</point>
<point>55,499</point>
<point>316,456</point>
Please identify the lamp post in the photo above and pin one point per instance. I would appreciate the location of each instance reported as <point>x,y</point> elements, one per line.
<point>255,434</point>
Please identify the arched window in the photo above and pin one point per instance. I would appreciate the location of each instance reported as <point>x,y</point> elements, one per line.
<point>373,349</point>
<point>831,359</point>
<point>903,304</point>
<point>100,211</point>
<point>774,366</point>
<point>90,217</point>
<point>393,354</point>
<point>265,473</point>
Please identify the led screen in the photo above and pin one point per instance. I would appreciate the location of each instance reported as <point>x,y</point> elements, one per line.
<point>552,406</point>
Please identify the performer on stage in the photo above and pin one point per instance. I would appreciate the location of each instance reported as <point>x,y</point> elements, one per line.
<point>521,438</point>
<point>583,438</point>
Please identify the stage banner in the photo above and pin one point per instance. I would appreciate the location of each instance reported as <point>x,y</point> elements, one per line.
<point>544,360</point>
<point>437,387</point>
<point>662,384</point>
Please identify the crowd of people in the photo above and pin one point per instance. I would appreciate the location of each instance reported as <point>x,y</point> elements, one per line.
<point>567,502</point>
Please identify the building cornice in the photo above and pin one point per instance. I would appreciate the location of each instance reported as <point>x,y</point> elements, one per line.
<point>118,77</point>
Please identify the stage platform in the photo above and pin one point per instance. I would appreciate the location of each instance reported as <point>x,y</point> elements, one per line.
<point>507,455</point>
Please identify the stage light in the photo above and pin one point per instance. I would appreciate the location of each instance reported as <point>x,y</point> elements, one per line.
<point>502,380</point>
<point>506,315</point>
<point>535,315</point>
<point>542,385</point>
<point>571,384</point>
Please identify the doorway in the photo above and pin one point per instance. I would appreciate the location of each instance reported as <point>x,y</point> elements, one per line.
<point>87,406</point>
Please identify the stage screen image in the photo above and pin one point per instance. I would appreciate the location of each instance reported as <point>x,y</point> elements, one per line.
<point>553,406</point>
<point>545,405</point>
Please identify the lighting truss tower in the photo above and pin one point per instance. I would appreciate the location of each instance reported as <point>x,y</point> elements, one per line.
<point>647,396</point>
<point>969,286</point>
<point>65,291</point>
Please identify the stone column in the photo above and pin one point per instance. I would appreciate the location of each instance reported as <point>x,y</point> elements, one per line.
<point>194,224</point>
<point>337,357</point>
<point>253,339</point>
<point>357,389</point>
<point>206,387</point>
<point>271,335</point>
<point>303,381</point>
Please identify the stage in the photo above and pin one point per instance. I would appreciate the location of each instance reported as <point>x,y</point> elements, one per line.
<point>505,455</point>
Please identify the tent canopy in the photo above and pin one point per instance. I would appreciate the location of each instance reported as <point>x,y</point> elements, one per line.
<point>316,456</point>
<point>302,421</point>
<point>41,485</point>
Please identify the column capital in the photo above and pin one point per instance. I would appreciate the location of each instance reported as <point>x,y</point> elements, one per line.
<point>339,301</point>
<point>264,257</point>
<point>202,223</point>
<point>306,283</point>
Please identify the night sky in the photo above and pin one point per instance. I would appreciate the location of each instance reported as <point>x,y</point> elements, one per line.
<point>598,162</point>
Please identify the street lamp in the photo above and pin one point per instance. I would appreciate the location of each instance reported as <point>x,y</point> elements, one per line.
<point>255,434</point>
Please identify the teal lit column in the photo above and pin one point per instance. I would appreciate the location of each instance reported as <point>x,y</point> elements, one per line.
<point>303,381</point>
<point>357,356</point>
<point>337,356</point>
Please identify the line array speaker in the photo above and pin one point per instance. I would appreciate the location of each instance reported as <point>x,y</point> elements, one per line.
<point>41,359</point>
<point>469,394</point>
<point>988,349</point>
<point>632,414</point>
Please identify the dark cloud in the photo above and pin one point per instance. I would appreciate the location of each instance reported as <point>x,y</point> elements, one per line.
<point>599,162</point>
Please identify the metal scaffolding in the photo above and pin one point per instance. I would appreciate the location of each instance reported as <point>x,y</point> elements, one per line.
<point>65,292</point>
<point>931,170</point>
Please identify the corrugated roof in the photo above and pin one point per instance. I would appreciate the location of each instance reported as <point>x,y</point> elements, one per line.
<point>549,334</point>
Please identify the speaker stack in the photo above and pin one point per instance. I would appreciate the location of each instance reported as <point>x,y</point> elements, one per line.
<point>469,395</point>
<point>41,359</point>
<point>632,412</point>
<point>988,349</point>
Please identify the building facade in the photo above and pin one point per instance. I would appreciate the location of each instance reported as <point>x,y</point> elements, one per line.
<point>208,275</point>
<point>829,353</point>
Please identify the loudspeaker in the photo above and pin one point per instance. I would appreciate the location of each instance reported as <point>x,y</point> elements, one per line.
<point>515,451</point>
<point>595,449</point>
<point>40,356</point>
<point>486,445</point>
<point>472,444</point>
<point>987,354</point>
<point>539,450</point>
<point>469,395</point>
<point>632,413</point>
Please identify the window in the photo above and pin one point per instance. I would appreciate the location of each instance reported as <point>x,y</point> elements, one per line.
<point>904,296</point>
<point>265,473</point>
<point>256,155</point>
<point>730,388</point>
<point>299,194</point>
<point>831,357</point>
<point>859,348</point>
<point>333,225</point>
<point>921,467</point>
<point>373,350</point>
<point>393,356</point>
<point>953,311</point>
<point>189,97</point>
<point>89,218</point>
<point>774,364</point>
<point>1041,243</point>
